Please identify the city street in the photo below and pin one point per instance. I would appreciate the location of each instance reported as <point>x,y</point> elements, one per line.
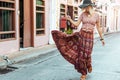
<point>105,61</point>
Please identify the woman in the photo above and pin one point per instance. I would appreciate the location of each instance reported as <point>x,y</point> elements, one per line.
<point>77,47</point>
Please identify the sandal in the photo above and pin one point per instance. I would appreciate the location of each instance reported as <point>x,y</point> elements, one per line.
<point>83,77</point>
<point>90,69</point>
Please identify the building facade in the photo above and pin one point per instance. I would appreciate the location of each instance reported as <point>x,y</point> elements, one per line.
<point>23,24</point>
<point>28,23</point>
<point>115,15</point>
<point>110,15</point>
<point>58,14</point>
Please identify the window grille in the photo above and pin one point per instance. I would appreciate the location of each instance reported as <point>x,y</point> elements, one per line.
<point>7,19</point>
<point>40,17</point>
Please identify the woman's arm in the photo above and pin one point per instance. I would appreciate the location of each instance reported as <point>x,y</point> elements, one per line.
<point>75,23</point>
<point>100,32</point>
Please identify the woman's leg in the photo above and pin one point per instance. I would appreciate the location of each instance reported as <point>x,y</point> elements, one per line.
<point>82,69</point>
<point>89,65</point>
<point>83,77</point>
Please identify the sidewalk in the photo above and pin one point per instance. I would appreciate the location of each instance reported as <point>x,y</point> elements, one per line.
<point>27,54</point>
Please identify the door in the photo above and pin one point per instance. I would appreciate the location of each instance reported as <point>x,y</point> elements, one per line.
<point>21,23</point>
<point>26,39</point>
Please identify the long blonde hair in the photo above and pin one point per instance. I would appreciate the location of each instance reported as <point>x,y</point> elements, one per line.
<point>88,9</point>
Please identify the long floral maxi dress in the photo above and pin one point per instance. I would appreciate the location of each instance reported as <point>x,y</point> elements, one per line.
<point>77,47</point>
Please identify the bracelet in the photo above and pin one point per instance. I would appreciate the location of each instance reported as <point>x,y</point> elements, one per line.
<point>101,39</point>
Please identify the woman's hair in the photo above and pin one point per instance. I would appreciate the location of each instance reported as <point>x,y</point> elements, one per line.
<point>88,9</point>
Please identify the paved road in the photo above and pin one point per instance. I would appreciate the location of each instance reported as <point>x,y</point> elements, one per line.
<point>106,65</point>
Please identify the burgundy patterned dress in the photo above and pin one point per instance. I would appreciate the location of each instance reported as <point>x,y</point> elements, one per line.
<point>77,47</point>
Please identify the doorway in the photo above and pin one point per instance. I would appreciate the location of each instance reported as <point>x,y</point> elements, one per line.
<point>21,7</point>
<point>70,13</point>
<point>69,25</point>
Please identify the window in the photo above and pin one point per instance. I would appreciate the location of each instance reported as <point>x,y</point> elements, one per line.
<point>76,1</point>
<point>7,19</point>
<point>40,17</point>
<point>75,15</point>
<point>113,1</point>
<point>62,10</point>
<point>80,0</point>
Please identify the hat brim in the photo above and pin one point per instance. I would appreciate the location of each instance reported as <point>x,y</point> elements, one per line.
<point>85,5</point>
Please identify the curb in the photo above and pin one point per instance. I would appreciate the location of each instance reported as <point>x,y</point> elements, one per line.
<point>32,55</point>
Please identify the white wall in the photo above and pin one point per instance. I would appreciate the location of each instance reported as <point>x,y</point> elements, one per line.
<point>54,17</point>
<point>119,20</point>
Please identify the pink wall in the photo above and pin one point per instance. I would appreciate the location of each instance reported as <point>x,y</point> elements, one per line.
<point>8,47</point>
<point>63,1</point>
<point>117,1</point>
<point>43,39</point>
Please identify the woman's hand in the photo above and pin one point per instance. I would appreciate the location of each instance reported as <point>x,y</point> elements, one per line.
<point>75,23</point>
<point>103,43</point>
<point>68,18</point>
